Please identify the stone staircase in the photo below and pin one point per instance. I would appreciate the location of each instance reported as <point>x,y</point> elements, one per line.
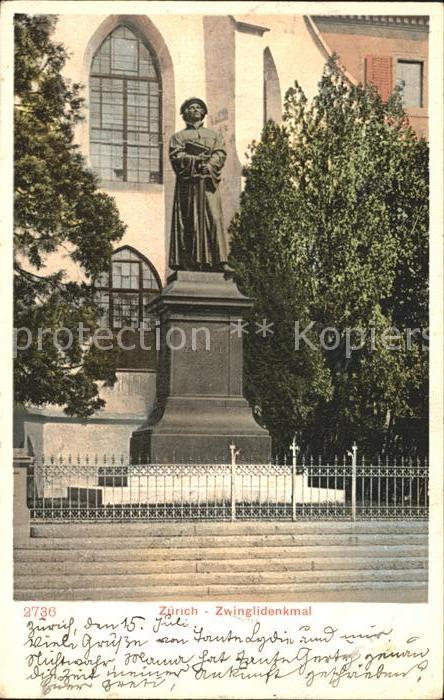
<point>324,561</point>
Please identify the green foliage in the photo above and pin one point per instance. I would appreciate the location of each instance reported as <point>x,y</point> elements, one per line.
<point>57,208</point>
<point>333,230</point>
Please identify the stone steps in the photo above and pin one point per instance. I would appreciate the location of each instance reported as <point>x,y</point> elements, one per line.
<point>75,580</point>
<point>223,529</point>
<point>216,541</point>
<point>368,560</point>
<point>327,563</point>
<point>122,553</point>
<point>383,591</point>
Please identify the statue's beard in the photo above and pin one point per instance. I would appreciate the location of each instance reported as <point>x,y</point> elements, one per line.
<point>193,118</point>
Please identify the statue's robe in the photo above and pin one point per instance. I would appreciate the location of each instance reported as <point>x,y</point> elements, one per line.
<point>197,235</point>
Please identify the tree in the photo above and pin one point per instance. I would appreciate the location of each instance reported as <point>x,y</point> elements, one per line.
<point>57,207</point>
<point>332,233</point>
<point>282,385</point>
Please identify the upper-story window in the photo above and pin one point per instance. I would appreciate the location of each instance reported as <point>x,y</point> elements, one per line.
<point>409,76</point>
<point>125,110</point>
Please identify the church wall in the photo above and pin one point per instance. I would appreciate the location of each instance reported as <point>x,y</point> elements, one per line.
<point>295,56</point>
<point>248,90</point>
<point>220,77</point>
<point>106,439</point>
<point>133,392</point>
<point>51,432</point>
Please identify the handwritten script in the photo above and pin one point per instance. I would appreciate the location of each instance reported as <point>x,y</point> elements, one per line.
<point>160,651</point>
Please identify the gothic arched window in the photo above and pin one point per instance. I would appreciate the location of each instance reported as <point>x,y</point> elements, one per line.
<point>123,293</point>
<point>125,290</point>
<point>125,110</point>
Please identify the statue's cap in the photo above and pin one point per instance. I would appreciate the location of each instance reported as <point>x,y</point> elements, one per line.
<point>192,100</point>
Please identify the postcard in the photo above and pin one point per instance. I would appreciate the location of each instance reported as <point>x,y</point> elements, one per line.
<point>222,374</point>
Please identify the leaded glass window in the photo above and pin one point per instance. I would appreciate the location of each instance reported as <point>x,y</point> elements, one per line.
<point>125,290</point>
<point>124,294</point>
<point>125,110</point>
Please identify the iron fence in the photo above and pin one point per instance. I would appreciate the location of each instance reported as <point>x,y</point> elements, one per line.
<point>61,491</point>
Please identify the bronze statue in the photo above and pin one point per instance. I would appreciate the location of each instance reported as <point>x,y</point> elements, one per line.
<point>197,155</point>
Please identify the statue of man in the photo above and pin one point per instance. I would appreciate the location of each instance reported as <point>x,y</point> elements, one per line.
<point>197,155</point>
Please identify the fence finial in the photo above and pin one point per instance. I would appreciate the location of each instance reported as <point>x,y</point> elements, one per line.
<point>353,453</point>
<point>234,453</point>
<point>294,449</point>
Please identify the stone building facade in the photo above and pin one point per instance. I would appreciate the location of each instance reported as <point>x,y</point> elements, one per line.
<point>385,50</point>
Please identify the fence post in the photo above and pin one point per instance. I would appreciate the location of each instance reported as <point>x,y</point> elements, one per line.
<point>354,454</point>
<point>234,454</point>
<point>21,515</point>
<point>294,451</point>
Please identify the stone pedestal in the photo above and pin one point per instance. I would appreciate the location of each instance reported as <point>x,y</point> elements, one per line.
<point>200,407</point>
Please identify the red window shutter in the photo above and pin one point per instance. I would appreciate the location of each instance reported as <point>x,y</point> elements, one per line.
<point>378,71</point>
